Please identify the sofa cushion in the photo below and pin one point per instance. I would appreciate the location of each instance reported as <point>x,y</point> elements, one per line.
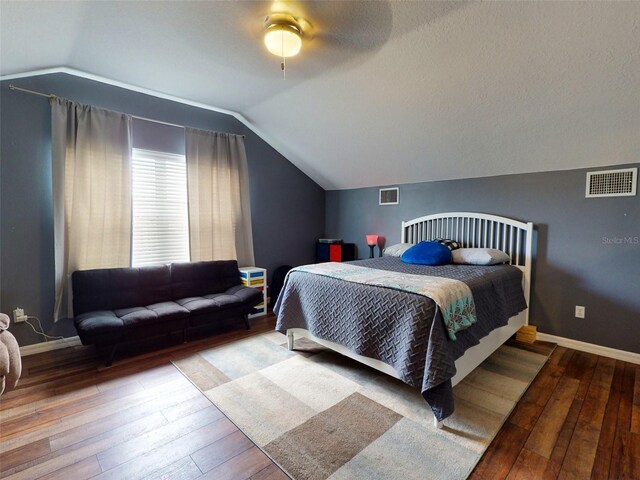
<point>99,327</point>
<point>109,326</point>
<point>120,288</point>
<point>238,296</point>
<point>169,311</point>
<point>209,303</point>
<point>197,304</point>
<point>223,301</point>
<point>195,279</point>
<point>152,320</point>
<point>136,316</point>
<point>158,312</point>
<point>246,294</point>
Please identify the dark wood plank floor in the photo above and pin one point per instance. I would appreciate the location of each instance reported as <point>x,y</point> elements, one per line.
<point>71,418</point>
<point>580,418</point>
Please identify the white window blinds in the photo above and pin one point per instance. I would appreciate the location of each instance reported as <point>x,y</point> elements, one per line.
<point>160,212</point>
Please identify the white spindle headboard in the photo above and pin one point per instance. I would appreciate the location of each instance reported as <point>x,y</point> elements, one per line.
<point>478,230</point>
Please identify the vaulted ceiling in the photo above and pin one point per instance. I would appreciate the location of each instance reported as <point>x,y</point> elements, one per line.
<point>385,92</point>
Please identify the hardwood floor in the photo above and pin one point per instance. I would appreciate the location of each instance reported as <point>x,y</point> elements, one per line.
<point>71,418</point>
<point>580,418</point>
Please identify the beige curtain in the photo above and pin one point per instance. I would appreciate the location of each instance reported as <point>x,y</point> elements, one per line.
<point>219,210</point>
<point>91,162</point>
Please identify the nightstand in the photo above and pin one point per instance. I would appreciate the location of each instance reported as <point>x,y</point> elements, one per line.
<point>257,278</point>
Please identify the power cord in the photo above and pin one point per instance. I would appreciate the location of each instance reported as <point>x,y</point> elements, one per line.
<point>41,332</point>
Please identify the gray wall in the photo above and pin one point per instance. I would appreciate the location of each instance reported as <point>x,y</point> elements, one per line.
<point>287,207</point>
<point>575,264</point>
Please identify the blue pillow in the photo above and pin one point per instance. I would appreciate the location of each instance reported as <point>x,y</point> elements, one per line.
<point>427,253</point>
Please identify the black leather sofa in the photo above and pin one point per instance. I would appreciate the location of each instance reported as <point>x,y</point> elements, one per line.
<point>116,305</point>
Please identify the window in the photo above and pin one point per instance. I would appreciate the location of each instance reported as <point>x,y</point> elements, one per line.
<point>160,212</point>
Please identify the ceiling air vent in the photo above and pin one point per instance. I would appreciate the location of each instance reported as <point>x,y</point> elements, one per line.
<point>389,196</point>
<point>612,183</point>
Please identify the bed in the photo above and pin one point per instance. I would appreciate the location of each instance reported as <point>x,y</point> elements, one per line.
<point>401,333</point>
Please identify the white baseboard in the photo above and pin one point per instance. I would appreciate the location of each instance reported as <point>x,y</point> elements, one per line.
<point>48,346</point>
<point>591,348</point>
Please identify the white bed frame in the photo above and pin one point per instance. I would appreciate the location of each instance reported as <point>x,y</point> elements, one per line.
<point>470,230</point>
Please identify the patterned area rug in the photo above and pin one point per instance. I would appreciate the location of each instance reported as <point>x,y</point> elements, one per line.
<point>320,415</point>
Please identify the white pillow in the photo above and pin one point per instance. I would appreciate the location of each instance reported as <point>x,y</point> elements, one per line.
<point>396,250</point>
<point>479,256</point>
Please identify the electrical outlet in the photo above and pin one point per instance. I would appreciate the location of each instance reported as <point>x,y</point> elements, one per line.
<point>18,315</point>
<point>580,311</point>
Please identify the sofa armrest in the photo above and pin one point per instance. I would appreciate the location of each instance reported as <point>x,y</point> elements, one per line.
<point>14,367</point>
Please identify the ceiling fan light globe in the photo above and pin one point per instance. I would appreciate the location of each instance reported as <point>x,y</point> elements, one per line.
<point>283,40</point>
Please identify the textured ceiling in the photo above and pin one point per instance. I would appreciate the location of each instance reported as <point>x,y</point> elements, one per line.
<point>385,92</point>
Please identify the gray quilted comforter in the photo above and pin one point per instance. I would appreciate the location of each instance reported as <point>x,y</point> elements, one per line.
<point>401,329</point>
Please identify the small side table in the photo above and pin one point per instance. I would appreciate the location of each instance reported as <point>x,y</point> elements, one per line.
<point>257,278</point>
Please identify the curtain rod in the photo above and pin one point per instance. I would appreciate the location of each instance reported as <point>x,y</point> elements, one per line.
<point>51,97</point>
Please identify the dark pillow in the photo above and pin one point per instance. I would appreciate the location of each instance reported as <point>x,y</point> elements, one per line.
<point>450,244</point>
<point>427,253</point>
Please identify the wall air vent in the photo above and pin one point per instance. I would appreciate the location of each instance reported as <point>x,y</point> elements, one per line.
<point>612,183</point>
<point>389,196</point>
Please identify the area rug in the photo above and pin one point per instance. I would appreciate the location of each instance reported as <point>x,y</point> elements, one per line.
<point>320,415</point>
